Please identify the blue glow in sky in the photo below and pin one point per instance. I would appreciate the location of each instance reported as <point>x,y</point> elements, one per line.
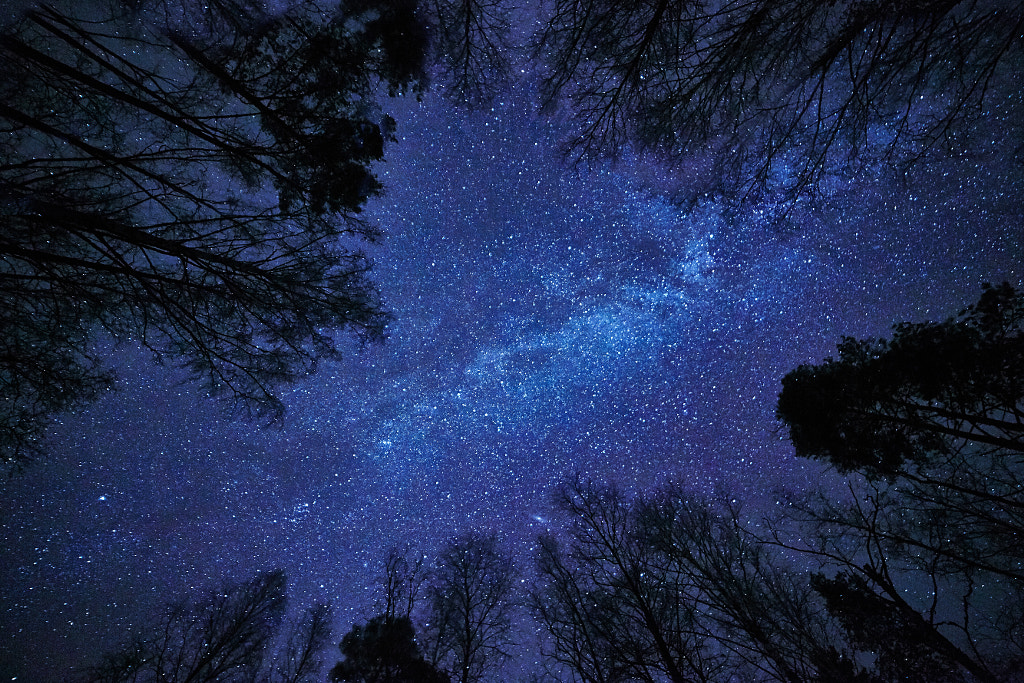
<point>548,321</point>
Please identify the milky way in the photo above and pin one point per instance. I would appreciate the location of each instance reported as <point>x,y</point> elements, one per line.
<point>548,322</point>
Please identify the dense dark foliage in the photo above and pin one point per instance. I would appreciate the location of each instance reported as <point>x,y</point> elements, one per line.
<point>928,427</point>
<point>889,406</point>
<point>384,650</point>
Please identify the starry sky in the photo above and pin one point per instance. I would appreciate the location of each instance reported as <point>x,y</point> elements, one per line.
<point>549,321</point>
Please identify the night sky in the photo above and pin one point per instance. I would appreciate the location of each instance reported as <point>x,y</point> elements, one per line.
<point>549,321</point>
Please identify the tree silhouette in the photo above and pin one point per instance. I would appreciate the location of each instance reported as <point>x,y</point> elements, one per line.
<point>932,390</point>
<point>404,576</point>
<point>663,587</point>
<point>226,637</point>
<point>920,596</point>
<point>384,650</point>
<point>470,41</point>
<point>904,645</point>
<point>470,609</point>
<point>188,177</point>
<point>928,427</point>
<point>934,418</point>
<point>302,658</point>
<point>776,92</point>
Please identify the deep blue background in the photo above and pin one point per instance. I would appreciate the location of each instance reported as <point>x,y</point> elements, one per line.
<point>548,322</point>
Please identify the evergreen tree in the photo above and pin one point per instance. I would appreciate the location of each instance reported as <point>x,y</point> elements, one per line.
<point>384,650</point>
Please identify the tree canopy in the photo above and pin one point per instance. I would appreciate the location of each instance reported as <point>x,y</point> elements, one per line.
<point>927,393</point>
<point>188,177</point>
<point>470,40</point>
<point>929,428</point>
<point>776,93</point>
<point>384,650</point>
